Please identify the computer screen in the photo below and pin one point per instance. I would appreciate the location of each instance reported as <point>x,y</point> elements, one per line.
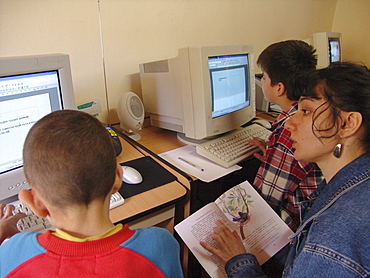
<point>229,83</point>
<point>328,47</point>
<point>30,88</point>
<point>334,50</point>
<point>201,93</point>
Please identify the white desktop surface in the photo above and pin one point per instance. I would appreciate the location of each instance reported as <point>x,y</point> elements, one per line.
<point>212,171</point>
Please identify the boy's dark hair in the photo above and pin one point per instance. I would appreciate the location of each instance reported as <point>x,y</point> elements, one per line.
<point>288,62</point>
<point>346,87</point>
<point>69,158</point>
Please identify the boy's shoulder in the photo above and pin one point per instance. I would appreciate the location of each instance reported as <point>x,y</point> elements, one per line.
<point>159,246</point>
<point>19,248</point>
<point>159,239</point>
<point>158,235</point>
<point>20,241</point>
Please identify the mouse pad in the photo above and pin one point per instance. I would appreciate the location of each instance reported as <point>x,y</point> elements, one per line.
<point>153,174</point>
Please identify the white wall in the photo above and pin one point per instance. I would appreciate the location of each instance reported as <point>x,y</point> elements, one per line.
<point>352,19</point>
<point>137,31</point>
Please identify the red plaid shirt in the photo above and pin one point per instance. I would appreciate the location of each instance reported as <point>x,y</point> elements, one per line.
<point>282,180</point>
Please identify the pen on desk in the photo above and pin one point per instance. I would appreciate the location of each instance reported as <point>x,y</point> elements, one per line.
<point>191,164</point>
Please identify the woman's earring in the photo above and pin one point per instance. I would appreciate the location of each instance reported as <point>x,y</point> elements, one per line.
<point>337,150</point>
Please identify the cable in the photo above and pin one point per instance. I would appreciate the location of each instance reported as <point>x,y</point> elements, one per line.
<point>103,60</point>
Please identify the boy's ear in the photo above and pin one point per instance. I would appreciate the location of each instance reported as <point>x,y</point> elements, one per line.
<point>32,200</point>
<point>280,89</point>
<point>118,179</point>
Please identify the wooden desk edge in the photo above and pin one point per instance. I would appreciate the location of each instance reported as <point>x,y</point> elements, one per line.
<point>148,202</point>
<point>155,156</point>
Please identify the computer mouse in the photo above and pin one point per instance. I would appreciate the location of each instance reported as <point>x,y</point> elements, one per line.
<point>131,175</point>
<point>262,122</point>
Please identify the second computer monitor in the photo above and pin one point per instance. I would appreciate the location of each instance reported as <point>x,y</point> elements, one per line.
<point>328,48</point>
<point>30,88</point>
<point>203,92</point>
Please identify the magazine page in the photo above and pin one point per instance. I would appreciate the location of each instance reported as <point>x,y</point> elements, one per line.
<point>240,208</point>
<point>199,227</point>
<point>263,232</point>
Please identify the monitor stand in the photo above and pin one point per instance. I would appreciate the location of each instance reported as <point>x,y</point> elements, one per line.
<point>193,142</point>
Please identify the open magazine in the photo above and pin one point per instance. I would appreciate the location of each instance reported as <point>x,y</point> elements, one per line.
<point>240,208</point>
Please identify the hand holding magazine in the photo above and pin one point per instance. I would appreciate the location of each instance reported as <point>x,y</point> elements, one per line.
<point>242,209</point>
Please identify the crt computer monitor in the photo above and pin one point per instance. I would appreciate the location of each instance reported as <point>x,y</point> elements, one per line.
<point>202,92</point>
<point>30,88</point>
<point>328,47</point>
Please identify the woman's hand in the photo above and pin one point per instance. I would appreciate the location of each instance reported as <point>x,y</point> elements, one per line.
<point>261,144</point>
<point>8,221</point>
<point>229,243</point>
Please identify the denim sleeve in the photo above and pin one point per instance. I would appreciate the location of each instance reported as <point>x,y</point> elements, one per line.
<point>244,265</point>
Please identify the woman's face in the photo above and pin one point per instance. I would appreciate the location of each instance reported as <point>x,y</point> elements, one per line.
<point>308,146</point>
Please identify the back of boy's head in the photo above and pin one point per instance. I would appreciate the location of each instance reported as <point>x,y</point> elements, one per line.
<point>69,158</point>
<point>288,62</point>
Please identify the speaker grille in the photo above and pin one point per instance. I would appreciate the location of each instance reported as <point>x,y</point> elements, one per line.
<point>136,107</point>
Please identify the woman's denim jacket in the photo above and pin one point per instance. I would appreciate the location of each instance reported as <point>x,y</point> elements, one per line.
<point>333,239</point>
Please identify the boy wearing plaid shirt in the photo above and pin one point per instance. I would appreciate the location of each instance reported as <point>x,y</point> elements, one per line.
<point>281,180</point>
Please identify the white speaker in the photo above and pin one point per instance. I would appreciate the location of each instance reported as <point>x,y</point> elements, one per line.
<point>130,112</point>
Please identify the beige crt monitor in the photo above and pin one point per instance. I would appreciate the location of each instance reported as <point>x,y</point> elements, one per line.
<point>328,47</point>
<point>203,92</point>
<point>30,88</point>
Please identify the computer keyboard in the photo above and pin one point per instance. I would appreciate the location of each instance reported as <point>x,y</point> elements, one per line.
<point>37,224</point>
<point>30,223</point>
<point>232,147</point>
<point>116,200</point>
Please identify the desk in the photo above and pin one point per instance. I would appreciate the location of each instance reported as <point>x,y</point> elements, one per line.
<point>151,207</point>
<point>163,206</point>
<point>201,193</point>
<point>160,140</point>
<point>155,140</point>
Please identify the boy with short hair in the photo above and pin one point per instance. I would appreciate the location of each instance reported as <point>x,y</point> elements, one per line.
<point>281,180</point>
<point>70,164</point>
